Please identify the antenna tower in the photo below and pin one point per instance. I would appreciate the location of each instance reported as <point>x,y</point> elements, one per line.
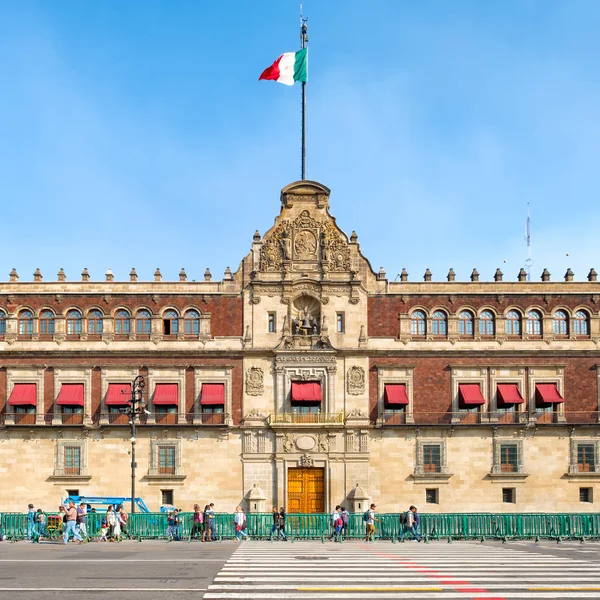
<point>528,262</point>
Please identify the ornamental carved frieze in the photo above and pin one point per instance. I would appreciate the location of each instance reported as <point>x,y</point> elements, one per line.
<point>255,384</point>
<point>305,244</point>
<point>355,380</point>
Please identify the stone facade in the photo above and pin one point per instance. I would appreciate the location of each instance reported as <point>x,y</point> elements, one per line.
<point>304,307</point>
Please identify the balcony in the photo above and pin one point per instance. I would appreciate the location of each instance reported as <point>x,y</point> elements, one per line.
<point>207,419</point>
<point>307,419</point>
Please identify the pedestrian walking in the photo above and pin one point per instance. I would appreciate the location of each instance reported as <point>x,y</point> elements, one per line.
<point>282,516</point>
<point>41,530</point>
<point>275,526</point>
<point>71,524</point>
<point>197,523</point>
<point>206,530</point>
<point>336,524</point>
<point>82,520</point>
<point>241,524</point>
<point>114,528</point>
<point>369,519</point>
<point>30,522</point>
<point>173,526</point>
<point>104,530</point>
<point>123,520</point>
<point>409,525</point>
<point>210,517</point>
<point>345,520</point>
<point>417,525</point>
<point>62,515</point>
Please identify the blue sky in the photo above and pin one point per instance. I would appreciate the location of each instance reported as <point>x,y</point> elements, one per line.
<point>136,134</point>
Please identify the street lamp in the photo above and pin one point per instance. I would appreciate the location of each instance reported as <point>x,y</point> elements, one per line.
<point>135,408</point>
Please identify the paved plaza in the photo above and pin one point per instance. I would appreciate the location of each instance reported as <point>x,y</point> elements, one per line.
<point>157,570</point>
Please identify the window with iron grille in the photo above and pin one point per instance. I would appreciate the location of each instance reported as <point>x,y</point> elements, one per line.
<point>340,325</point>
<point>509,495</point>
<point>432,455</point>
<point>72,460</point>
<point>271,323</point>
<point>586,458</point>
<point>432,496</point>
<point>431,459</point>
<point>166,497</point>
<point>166,460</point>
<point>586,494</point>
<point>509,458</point>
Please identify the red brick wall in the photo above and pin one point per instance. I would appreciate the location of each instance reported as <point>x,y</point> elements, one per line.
<point>48,389</point>
<point>383,311</point>
<point>432,379</point>
<point>226,311</point>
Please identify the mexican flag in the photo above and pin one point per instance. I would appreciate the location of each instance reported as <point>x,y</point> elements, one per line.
<point>289,67</point>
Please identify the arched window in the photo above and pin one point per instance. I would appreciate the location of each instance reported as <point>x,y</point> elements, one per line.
<point>143,322</point>
<point>2,323</point>
<point>486,323</point>
<point>513,323</point>
<point>74,322</point>
<point>47,322</point>
<point>560,323</point>
<point>170,322</point>
<point>581,324</point>
<point>439,325</point>
<point>122,322</point>
<point>534,323</point>
<point>465,323</point>
<point>94,322</point>
<point>192,322</point>
<point>418,323</point>
<point>26,322</point>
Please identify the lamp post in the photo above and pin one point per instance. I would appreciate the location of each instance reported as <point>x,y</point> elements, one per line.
<point>135,408</point>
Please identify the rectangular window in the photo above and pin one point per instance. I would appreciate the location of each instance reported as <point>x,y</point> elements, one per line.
<point>72,493</point>
<point>432,496</point>
<point>166,460</point>
<point>72,460</point>
<point>586,494</point>
<point>586,459</point>
<point>509,495</point>
<point>272,322</point>
<point>166,497</point>
<point>432,458</point>
<point>509,458</point>
<point>339,322</point>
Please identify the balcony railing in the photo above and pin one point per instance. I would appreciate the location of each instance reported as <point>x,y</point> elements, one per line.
<point>115,418</point>
<point>317,418</point>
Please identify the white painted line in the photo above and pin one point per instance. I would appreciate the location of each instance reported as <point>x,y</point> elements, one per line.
<point>87,589</point>
<point>303,579</point>
<point>74,560</point>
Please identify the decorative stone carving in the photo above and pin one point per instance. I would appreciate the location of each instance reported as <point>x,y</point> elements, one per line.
<point>255,381</point>
<point>355,380</point>
<point>306,460</point>
<point>357,414</point>
<point>323,443</point>
<point>288,442</point>
<point>254,415</point>
<point>305,442</point>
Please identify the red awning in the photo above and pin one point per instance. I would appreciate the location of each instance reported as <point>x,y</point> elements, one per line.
<point>547,393</point>
<point>118,394</point>
<point>470,394</point>
<point>166,393</point>
<point>213,394</point>
<point>71,394</point>
<point>23,394</point>
<point>306,391</point>
<point>508,393</point>
<point>394,394</point>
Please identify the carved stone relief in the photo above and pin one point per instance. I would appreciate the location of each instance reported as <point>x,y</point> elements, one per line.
<point>255,381</point>
<point>355,380</point>
<point>306,460</point>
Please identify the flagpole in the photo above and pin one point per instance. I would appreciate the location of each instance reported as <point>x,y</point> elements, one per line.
<point>304,38</point>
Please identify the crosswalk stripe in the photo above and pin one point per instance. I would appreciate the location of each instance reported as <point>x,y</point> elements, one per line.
<point>358,571</point>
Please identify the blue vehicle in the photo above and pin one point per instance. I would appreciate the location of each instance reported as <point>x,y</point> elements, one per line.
<point>101,503</point>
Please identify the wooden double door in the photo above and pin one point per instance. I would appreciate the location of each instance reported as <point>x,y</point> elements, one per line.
<point>306,490</point>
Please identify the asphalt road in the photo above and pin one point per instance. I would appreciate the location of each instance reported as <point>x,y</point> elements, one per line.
<point>156,570</point>
<point>129,570</point>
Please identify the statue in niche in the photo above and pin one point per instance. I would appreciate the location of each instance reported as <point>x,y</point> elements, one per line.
<point>324,248</point>
<point>286,246</point>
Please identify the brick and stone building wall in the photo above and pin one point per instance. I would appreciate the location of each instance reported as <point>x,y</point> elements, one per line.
<point>385,391</point>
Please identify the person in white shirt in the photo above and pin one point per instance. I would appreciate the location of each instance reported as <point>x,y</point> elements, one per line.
<point>241,524</point>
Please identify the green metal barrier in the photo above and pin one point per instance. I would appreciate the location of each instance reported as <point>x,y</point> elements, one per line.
<point>451,526</point>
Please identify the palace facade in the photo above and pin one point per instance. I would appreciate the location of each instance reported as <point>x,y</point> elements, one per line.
<point>304,379</point>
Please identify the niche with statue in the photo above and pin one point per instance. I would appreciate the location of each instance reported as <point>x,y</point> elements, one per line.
<point>306,316</point>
